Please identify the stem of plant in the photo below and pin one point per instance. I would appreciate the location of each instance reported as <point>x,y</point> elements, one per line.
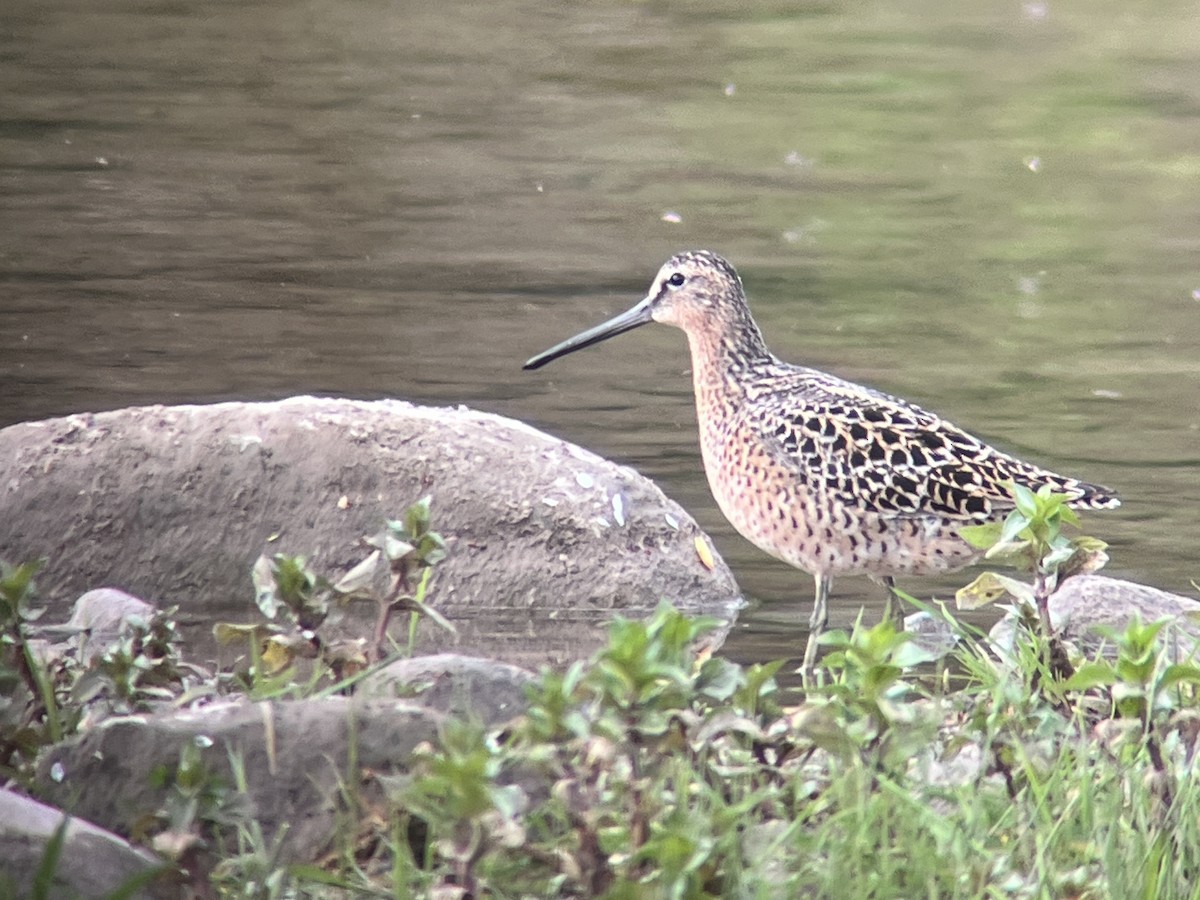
<point>399,589</point>
<point>44,688</point>
<point>413,620</point>
<point>379,637</point>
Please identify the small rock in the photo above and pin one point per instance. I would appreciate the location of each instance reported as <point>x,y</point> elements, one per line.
<point>932,633</point>
<point>98,620</point>
<point>108,609</point>
<point>102,615</point>
<point>941,769</point>
<point>295,755</point>
<point>1087,604</point>
<point>463,686</point>
<point>93,862</point>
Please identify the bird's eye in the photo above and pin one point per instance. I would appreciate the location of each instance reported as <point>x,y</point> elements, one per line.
<point>676,280</point>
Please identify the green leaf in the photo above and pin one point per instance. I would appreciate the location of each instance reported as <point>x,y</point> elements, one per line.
<point>820,725</point>
<point>1091,675</point>
<point>1090,556</point>
<point>1180,672</point>
<point>394,548</point>
<point>293,580</point>
<point>759,686</point>
<point>16,587</point>
<point>1025,500</point>
<point>990,587</point>
<point>437,617</point>
<point>44,878</point>
<point>1014,552</point>
<point>509,800</point>
<point>359,578</point>
<point>981,537</point>
<point>725,723</point>
<point>232,632</point>
<point>311,873</point>
<point>719,678</point>
<point>1056,557</point>
<point>416,518</point>
<point>910,654</point>
<point>1014,524</point>
<point>431,548</point>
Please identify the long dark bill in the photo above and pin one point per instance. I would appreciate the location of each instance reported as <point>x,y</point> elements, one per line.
<point>626,321</point>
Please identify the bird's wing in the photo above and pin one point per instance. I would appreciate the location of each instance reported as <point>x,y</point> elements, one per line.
<point>874,452</point>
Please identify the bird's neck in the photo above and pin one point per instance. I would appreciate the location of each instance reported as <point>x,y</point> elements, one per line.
<point>722,356</point>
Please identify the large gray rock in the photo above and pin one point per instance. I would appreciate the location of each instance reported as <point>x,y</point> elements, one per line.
<point>173,504</point>
<point>92,863</point>
<point>295,755</point>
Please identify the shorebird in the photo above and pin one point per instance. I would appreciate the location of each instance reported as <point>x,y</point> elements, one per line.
<point>829,476</point>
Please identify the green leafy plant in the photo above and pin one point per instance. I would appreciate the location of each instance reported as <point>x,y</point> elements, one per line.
<point>403,556</point>
<point>1031,539</point>
<point>254,868</point>
<point>635,747</point>
<point>868,693</point>
<point>142,666</point>
<point>1148,696</point>
<point>657,770</point>
<point>295,601</point>
<point>198,808</point>
<point>30,714</point>
<point>457,787</point>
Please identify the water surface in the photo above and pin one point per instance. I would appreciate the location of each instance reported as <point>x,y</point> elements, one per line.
<point>990,209</point>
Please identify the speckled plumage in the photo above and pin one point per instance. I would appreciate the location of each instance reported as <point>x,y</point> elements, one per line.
<point>827,475</point>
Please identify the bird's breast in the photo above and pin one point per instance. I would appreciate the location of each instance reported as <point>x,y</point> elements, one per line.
<point>786,509</point>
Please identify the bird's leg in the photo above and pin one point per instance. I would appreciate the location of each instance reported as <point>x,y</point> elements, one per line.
<point>894,611</point>
<point>816,625</point>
